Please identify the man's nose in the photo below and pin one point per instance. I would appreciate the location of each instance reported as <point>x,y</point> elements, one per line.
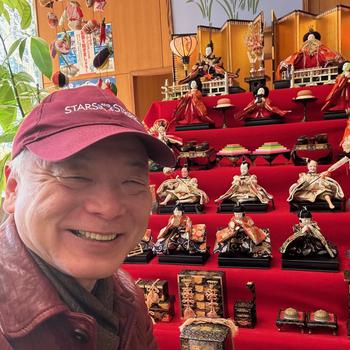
<point>106,202</point>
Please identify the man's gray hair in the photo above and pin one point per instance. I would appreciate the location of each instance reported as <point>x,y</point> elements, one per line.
<point>20,163</point>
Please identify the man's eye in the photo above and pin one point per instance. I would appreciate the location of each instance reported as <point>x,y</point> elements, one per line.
<point>74,181</point>
<point>134,186</point>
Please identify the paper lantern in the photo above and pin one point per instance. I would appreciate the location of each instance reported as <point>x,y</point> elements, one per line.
<point>183,47</point>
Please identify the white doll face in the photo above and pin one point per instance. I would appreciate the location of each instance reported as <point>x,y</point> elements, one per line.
<point>193,84</point>
<point>346,145</point>
<point>244,169</point>
<point>238,216</point>
<point>184,172</point>
<point>261,92</point>
<point>161,130</point>
<point>346,67</point>
<point>177,212</point>
<point>311,37</point>
<point>312,166</point>
<point>208,51</point>
<point>305,221</point>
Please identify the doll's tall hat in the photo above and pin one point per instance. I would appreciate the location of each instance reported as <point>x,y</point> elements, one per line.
<point>312,31</point>
<point>304,213</point>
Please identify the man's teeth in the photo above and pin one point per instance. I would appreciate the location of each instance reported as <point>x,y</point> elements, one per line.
<point>95,236</point>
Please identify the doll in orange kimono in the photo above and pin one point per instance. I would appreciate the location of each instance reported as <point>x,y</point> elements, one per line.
<point>180,235</point>
<point>339,97</point>
<point>312,54</point>
<point>191,109</point>
<point>261,107</point>
<point>345,142</point>
<point>242,237</point>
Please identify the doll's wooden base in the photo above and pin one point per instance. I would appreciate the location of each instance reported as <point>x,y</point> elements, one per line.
<point>184,259</point>
<point>143,258</point>
<point>195,126</point>
<point>311,264</point>
<point>312,324</point>
<point>235,90</point>
<point>226,260</point>
<point>263,121</point>
<point>318,205</point>
<point>335,115</point>
<point>281,84</point>
<point>187,208</point>
<point>227,207</point>
<point>291,323</point>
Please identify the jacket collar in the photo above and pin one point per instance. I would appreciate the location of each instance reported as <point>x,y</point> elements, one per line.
<point>26,297</point>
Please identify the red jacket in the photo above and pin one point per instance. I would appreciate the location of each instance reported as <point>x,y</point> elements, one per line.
<point>33,317</point>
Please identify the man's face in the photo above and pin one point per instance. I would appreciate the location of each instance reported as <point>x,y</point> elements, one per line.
<point>83,215</point>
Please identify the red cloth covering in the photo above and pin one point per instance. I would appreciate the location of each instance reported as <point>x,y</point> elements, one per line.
<point>275,288</point>
<point>282,98</point>
<point>339,97</point>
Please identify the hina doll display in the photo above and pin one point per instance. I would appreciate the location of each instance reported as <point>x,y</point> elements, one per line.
<point>338,100</point>
<point>242,239</point>
<point>313,187</point>
<point>245,191</point>
<point>159,130</point>
<point>183,189</point>
<point>143,251</point>
<point>209,67</point>
<point>308,243</point>
<point>191,109</point>
<point>345,142</point>
<point>312,54</point>
<point>180,237</point>
<point>261,108</point>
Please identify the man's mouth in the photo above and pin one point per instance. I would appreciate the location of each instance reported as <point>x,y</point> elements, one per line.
<point>93,236</point>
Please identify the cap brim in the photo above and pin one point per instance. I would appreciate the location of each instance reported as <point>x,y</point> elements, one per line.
<point>65,144</point>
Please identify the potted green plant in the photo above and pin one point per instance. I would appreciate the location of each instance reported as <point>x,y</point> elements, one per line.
<point>19,92</point>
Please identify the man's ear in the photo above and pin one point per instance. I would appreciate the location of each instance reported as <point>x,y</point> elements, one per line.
<point>10,192</point>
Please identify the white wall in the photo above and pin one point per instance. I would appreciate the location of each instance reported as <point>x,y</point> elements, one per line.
<point>187,16</point>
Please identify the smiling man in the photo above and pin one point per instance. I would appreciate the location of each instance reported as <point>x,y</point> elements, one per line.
<point>78,201</point>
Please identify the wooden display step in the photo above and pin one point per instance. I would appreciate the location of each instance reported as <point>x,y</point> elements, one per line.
<point>311,264</point>
<point>184,259</point>
<point>225,260</point>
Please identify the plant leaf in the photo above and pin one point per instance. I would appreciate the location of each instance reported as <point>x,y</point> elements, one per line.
<point>24,10</point>
<point>39,50</point>
<point>4,13</point>
<point>8,136</point>
<point>21,48</point>
<point>4,73</point>
<point>8,116</point>
<point>23,76</point>
<point>6,93</point>
<point>13,47</point>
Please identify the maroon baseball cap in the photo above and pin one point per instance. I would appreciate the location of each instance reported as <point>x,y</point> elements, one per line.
<point>67,121</point>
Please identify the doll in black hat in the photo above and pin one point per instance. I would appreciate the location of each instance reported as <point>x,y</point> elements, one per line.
<point>209,67</point>
<point>312,54</point>
<point>260,107</point>
<point>180,235</point>
<point>242,237</point>
<point>307,239</point>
